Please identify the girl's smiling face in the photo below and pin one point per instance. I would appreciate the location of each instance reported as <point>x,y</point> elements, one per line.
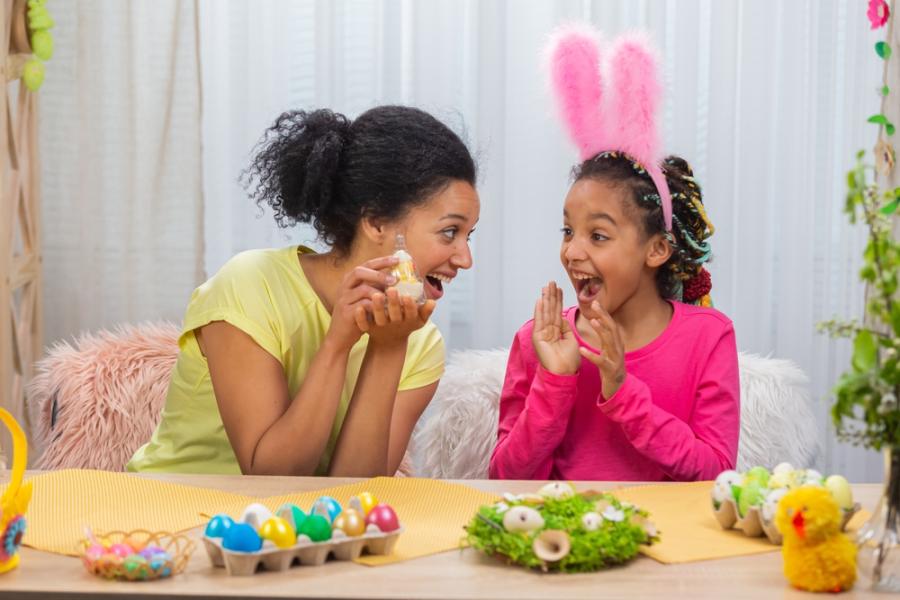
<point>437,235</point>
<point>604,249</point>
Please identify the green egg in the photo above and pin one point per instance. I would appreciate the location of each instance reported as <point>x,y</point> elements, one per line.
<point>315,527</point>
<point>752,495</point>
<point>758,474</point>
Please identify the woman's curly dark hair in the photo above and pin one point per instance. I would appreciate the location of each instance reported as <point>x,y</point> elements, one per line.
<point>322,168</point>
<point>683,276</point>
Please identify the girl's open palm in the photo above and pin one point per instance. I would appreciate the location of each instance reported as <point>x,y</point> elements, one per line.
<point>553,338</point>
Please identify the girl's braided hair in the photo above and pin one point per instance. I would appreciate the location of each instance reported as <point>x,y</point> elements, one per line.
<point>682,277</point>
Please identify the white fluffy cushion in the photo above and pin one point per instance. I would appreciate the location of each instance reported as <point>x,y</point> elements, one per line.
<point>455,442</point>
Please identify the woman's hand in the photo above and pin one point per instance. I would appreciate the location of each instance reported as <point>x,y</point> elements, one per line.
<point>611,360</point>
<point>356,293</point>
<point>553,338</point>
<point>392,317</point>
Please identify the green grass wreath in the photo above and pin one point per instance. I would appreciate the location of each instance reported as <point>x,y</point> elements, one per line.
<point>558,529</point>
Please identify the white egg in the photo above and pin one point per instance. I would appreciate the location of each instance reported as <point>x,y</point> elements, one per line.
<point>255,515</point>
<point>557,490</point>
<point>721,490</point>
<point>591,521</point>
<point>811,476</point>
<point>840,491</point>
<point>780,480</point>
<point>784,468</point>
<point>770,504</point>
<point>522,518</point>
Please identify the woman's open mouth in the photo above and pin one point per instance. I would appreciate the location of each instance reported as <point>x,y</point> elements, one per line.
<point>434,285</point>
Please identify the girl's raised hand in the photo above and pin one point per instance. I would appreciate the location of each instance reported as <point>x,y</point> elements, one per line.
<point>392,317</point>
<point>611,361</point>
<point>553,338</point>
<point>355,293</point>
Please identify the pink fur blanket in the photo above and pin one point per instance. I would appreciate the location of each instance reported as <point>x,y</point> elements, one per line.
<point>94,402</point>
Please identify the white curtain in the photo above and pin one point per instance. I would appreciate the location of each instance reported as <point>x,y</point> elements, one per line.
<point>120,159</point>
<point>766,99</point>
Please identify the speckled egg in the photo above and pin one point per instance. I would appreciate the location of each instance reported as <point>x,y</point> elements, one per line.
<point>723,488</point>
<point>522,519</point>
<point>770,504</point>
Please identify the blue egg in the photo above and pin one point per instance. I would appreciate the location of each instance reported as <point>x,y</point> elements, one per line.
<point>218,525</point>
<point>331,507</point>
<point>241,537</point>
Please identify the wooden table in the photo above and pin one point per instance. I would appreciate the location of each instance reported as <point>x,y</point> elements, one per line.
<point>456,574</point>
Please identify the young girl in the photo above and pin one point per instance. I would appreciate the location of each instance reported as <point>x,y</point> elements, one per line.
<point>633,383</point>
<point>297,363</point>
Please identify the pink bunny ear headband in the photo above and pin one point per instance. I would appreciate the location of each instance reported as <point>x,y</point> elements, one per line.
<point>613,109</point>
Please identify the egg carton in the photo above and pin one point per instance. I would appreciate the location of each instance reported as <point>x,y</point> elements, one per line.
<point>754,525</point>
<point>272,558</point>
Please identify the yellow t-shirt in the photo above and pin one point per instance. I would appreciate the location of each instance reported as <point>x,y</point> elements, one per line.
<point>265,294</point>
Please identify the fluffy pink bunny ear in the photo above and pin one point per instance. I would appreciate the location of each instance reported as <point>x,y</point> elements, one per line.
<point>574,57</point>
<point>633,107</point>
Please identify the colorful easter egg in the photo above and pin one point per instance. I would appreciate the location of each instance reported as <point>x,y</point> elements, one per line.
<point>331,507</point>
<point>279,532</point>
<point>255,515</point>
<point>316,527</point>
<point>363,503</point>
<point>218,525</point>
<point>383,517</point>
<point>351,522</point>
<point>242,537</point>
<point>292,514</point>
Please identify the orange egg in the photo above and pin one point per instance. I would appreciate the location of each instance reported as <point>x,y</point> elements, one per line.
<point>350,522</point>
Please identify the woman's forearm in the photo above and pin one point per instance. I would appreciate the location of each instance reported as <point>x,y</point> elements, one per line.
<point>294,444</point>
<point>362,448</point>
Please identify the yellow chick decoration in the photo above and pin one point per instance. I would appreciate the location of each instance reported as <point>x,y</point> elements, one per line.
<point>818,557</point>
<point>14,501</point>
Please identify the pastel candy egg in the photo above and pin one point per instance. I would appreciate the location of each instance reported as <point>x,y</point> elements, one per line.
<point>784,468</point>
<point>363,503</point>
<point>255,515</point>
<point>723,488</point>
<point>316,527</point>
<point>279,532</point>
<point>557,490</point>
<point>522,519</point>
<point>326,506</point>
<point>292,514</point>
<point>383,517</point>
<point>758,474</point>
<point>840,491</point>
<point>242,537</point>
<point>121,550</point>
<point>95,551</point>
<point>161,564</point>
<point>351,522</point>
<point>135,542</point>
<point>770,504</point>
<point>135,567</point>
<point>218,525</point>
<point>150,551</point>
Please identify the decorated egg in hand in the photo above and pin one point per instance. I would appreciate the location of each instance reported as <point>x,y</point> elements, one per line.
<point>218,525</point>
<point>383,517</point>
<point>279,532</point>
<point>242,537</point>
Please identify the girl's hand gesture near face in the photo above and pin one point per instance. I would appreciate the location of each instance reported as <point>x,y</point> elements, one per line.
<point>355,294</point>
<point>553,338</point>
<point>611,361</point>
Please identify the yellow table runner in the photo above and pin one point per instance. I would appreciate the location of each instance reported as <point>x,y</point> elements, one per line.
<point>433,512</point>
<point>689,531</point>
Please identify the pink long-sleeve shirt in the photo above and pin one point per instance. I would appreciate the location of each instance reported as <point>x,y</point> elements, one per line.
<point>675,417</point>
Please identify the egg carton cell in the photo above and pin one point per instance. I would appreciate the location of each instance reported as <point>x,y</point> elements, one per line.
<point>754,524</point>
